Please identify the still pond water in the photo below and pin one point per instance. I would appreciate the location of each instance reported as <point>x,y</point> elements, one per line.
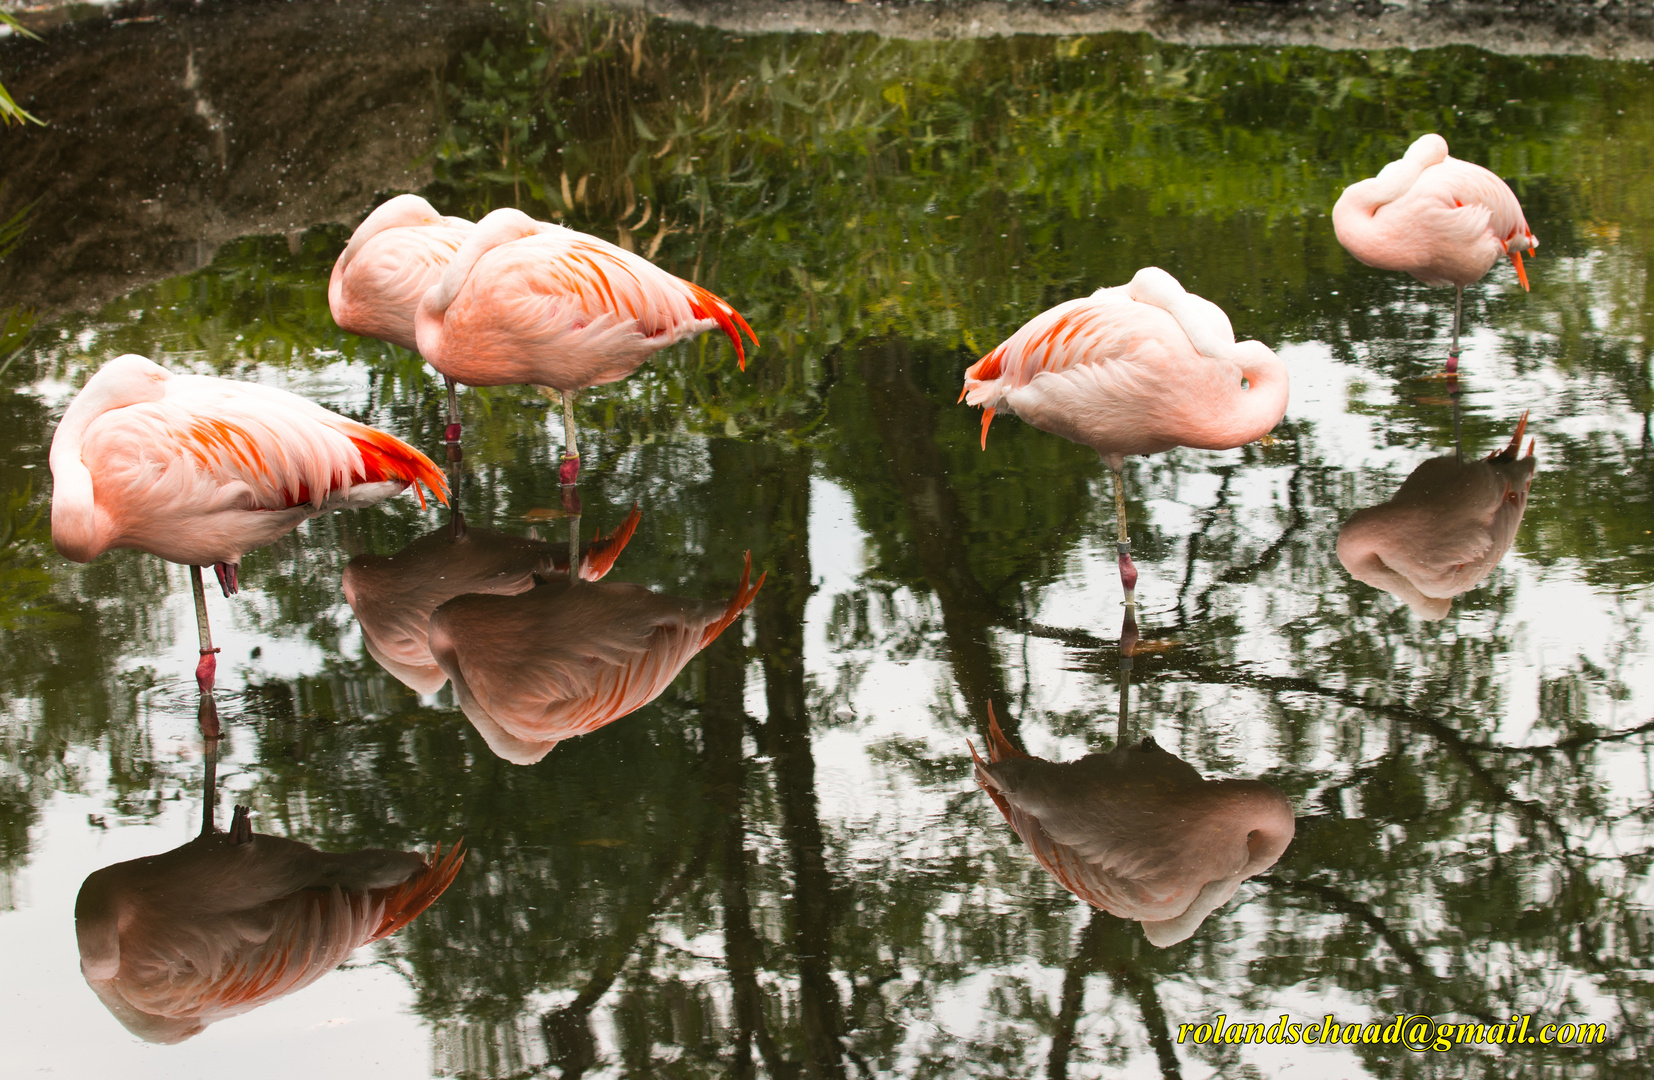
<point>782,866</point>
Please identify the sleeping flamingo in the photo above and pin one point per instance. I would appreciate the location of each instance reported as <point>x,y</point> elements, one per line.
<point>526,302</point>
<point>1134,369</point>
<point>396,254</point>
<point>232,921</point>
<point>200,471</point>
<point>1444,530</point>
<point>1138,832</point>
<point>1443,220</point>
<point>564,659</point>
<point>393,595</point>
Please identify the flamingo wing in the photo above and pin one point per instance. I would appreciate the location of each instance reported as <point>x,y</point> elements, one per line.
<point>216,444</point>
<point>1118,341</point>
<point>563,309</point>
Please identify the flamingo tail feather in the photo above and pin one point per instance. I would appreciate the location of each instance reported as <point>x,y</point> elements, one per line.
<point>404,902</point>
<point>737,603</point>
<point>600,557</point>
<point>385,457</point>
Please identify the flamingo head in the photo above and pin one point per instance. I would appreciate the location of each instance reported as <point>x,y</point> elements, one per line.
<point>400,212</point>
<point>126,380</point>
<point>1427,150</point>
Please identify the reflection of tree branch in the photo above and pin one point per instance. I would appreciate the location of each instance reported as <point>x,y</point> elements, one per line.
<point>1106,942</point>
<point>1451,737</point>
<point>902,415</point>
<point>1140,985</point>
<point>567,1031</point>
<point>779,622</point>
<point>1338,900</point>
<point>1083,963</point>
<point>722,722</point>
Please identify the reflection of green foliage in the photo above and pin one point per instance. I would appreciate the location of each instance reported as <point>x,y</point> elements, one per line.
<point>25,584</point>
<point>16,327</point>
<point>10,112</point>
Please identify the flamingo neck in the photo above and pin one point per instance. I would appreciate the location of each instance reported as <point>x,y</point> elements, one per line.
<point>400,212</point>
<point>75,530</point>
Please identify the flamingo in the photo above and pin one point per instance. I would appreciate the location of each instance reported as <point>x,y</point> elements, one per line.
<point>526,302</point>
<point>231,921</point>
<point>199,470</point>
<point>396,254</point>
<point>566,658</point>
<point>1136,831</point>
<point>393,596</point>
<point>1134,369</point>
<point>1444,530</point>
<point>1443,220</point>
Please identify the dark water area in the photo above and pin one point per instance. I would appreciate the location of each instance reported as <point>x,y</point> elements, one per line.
<point>782,865</point>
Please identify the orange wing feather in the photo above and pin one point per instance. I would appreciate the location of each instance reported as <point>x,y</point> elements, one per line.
<point>385,457</point>
<point>404,902</point>
<point>605,550</point>
<point>737,603</point>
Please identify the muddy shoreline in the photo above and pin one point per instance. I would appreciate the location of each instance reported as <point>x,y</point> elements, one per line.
<point>1617,31</point>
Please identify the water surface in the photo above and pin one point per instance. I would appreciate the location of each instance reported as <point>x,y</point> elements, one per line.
<point>782,866</point>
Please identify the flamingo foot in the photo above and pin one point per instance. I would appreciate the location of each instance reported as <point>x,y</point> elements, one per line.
<point>1128,572</point>
<point>452,433</point>
<point>206,669</point>
<point>569,471</point>
<point>227,577</point>
<point>241,826</point>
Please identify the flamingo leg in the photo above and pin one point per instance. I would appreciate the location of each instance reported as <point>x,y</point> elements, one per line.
<point>574,548</point>
<point>1458,316</point>
<point>569,471</point>
<point>1128,572</point>
<point>208,665</point>
<point>209,789</point>
<point>1128,646</point>
<point>456,474</point>
<point>453,410</point>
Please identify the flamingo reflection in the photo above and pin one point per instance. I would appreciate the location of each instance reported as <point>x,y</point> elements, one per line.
<point>1444,530</point>
<point>564,659</point>
<point>1136,831</point>
<point>393,595</point>
<point>231,921</point>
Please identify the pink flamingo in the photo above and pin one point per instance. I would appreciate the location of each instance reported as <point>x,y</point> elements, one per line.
<point>525,302</point>
<point>564,659</point>
<point>396,254</point>
<point>393,596</point>
<point>1443,220</point>
<point>1138,832</point>
<point>1444,530</point>
<point>200,471</point>
<point>231,921</point>
<point>1134,369</point>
